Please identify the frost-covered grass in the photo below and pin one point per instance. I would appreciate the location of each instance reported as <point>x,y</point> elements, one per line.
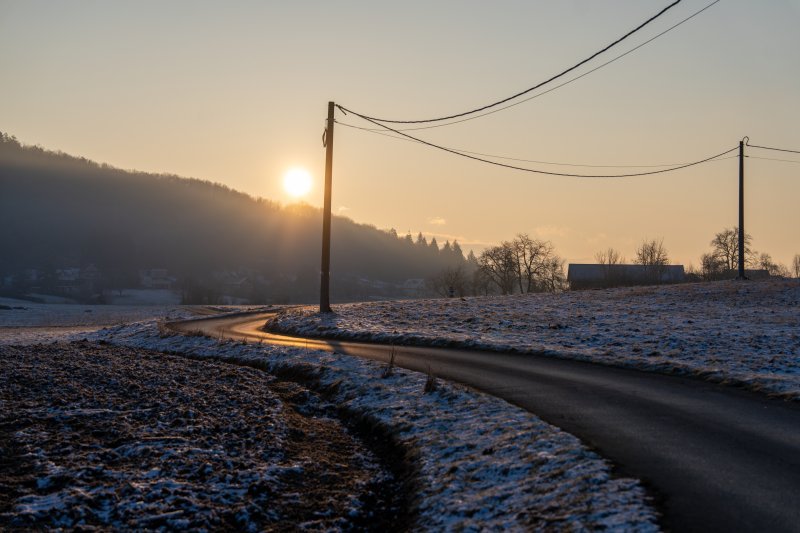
<point>747,333</point>
<point>482,463</point>
<point>23,322</point>
<point>116,438</point>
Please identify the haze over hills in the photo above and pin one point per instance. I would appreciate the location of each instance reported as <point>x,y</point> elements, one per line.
<point>62,213</point>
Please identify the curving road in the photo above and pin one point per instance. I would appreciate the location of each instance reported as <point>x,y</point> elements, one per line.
<point>714,458</point>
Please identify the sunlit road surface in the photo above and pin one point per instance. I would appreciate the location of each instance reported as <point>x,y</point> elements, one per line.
<point>714,458</point>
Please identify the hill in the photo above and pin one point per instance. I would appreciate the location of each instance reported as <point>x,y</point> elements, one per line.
<point>64,217</point>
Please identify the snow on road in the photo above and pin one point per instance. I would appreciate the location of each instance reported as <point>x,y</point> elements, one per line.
<point>482,463</point>
<point>747,333</point>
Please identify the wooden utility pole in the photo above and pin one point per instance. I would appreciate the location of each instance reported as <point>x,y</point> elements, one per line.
<point>741,211</point>
<point>325,273</point>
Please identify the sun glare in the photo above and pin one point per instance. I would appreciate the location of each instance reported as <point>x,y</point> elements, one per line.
<point>297,182</point>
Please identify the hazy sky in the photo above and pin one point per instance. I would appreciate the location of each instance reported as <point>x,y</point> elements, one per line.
<point>237,92</point>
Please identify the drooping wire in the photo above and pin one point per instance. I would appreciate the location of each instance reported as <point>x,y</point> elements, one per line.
<point>537,86</point>
<point>546,172</point>
<point>493,156</point>
<point>773,159</point>
<point>551,89</point>
<point>773,148</point>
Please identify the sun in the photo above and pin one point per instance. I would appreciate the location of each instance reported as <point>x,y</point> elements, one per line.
<point>297,182</point>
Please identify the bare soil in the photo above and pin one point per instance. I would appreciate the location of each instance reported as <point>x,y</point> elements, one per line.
<point>93,435</point>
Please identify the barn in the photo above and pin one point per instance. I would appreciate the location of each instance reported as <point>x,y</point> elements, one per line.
<point>596,276</point>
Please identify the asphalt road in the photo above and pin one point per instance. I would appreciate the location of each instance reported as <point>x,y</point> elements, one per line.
<point>714,458</point>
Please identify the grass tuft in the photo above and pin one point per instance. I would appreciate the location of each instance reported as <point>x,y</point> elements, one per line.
<point>389,370</point>
<point>430,384</point>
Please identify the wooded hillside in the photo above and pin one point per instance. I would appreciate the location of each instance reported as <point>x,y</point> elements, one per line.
<point>58,211</point>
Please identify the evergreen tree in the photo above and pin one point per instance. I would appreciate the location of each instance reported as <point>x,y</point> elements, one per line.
<point>457,252</point>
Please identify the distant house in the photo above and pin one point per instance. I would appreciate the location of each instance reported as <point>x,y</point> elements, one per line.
<point>749,273</point>
<point>68,281</point>
<point>754,273</point>
<point>74,281</point>
<point>156,278</point>
<point>594,276</point>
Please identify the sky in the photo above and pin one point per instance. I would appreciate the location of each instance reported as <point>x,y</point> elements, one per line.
<point>237,93</point>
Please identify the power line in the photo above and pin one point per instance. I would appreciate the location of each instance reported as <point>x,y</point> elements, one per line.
<point>773,159</point>
<point>526,91</point>
<point>576,78</point>
<point>546,172</point>
<point>773,148</point>
<point>493,156</point>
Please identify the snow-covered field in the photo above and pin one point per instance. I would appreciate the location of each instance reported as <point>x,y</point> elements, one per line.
<point>99,435</point>
<point>23,322</point>
<point>746,333</point>
<point>482,463</point>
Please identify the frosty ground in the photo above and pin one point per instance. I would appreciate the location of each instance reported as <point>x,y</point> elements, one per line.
<point>94,435</point>
<point>474,461</point>
<point>24,322</point>
<point>742,333</point>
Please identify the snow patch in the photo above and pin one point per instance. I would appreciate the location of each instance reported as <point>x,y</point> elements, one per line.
<point>482,462</point>
<point>747,333</point>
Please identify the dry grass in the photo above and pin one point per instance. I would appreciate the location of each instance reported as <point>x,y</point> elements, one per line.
<point>390,367</point>
<point>431,384</point>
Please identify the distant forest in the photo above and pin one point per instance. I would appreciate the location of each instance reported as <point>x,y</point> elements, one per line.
<point>61,214</point>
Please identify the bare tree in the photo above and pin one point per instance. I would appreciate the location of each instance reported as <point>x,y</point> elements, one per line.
<point>609,257</point>
<point>499,265</point>
<point>725,246</point>
<point>532,258</point>
<point>451,281</point>
<point>653,256</point>
<point>774,269</point>
<point>552,278</point>
<point>652,253</point>
<point>712,267</point>
<point>481,283</point>
<point>528,264</point>
<point>796,265</point>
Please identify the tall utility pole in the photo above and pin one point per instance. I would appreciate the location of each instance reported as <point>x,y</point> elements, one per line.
<point>325,272</point>
<point>741,211</point>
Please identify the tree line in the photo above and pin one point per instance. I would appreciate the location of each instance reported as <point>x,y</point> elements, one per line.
<point>724,258</point>
<point>521,265</point>
<point>721,262</point>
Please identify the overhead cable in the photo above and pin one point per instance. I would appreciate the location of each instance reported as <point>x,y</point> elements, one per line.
<point>551,89</point>
<point>546,172</point>
<point>772,159</point>
<point>773,148</point>
<point>505,158</point>
<point>538,85</point>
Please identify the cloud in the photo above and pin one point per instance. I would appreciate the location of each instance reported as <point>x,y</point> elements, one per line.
<point>552,231</point>
<point>437,221</point>
<point>597,238</point>
<point>343,209</point>
<point>466,243</point>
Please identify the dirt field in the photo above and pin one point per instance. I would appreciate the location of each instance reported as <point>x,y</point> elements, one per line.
<point>95,435</point>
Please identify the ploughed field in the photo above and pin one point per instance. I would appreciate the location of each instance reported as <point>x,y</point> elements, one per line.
<point>99,435</point>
